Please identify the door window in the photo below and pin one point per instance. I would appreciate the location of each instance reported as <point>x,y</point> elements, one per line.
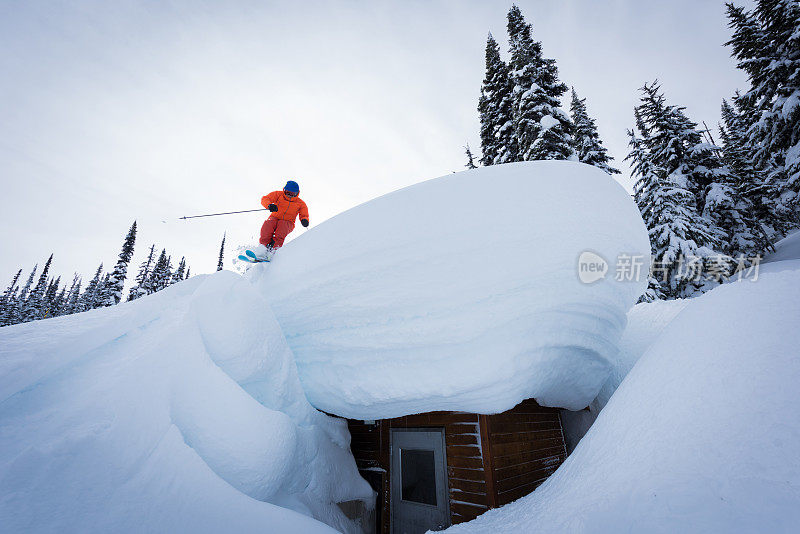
<point>418,477</point>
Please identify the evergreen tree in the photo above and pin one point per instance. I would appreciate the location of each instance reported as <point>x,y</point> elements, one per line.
<point>72,302</point>
<point>496,108</point>
<point>221,252</point>
<point>32,309</point>
<point>8,301</point>
<point>141,288</point>
<point>49,298</point>
<point>470,158</point>
<point>92,296</point>
<point>178,275</point>
<point>161,275</point>
<point>588,146</point>
<point>116,280</point>
<point>766,43</point>
<point>673,166</point>
<point>543,129</point>
<point>57,304</point>
<point>751,179</point>
<point>22,301</point>
<point>187,273</point>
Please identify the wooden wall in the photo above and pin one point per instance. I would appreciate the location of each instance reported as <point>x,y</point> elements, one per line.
<point>491,459</point>
<point>527,446</point>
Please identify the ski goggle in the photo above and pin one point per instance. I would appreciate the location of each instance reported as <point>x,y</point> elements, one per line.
<point>290,193</point>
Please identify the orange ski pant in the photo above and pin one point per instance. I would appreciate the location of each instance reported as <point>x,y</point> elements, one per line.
<point>274,231</point>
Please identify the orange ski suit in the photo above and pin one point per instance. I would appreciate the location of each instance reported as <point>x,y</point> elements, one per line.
<point>281,222</point>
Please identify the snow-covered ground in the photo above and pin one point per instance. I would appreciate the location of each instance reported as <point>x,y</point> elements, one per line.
<point>702,435</point>
<point>179,412</point>
<point>461,293</point>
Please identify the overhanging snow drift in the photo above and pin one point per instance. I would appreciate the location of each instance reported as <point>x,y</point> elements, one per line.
<point>461,293</point>
<point>178,412</point>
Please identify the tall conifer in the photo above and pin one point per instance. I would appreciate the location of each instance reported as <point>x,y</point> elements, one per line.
<point>91,297</point>
<point>72,303</point>
<point>588,146</point>
<point>221,252</point>
<point>766,42</point>
<point>179,273</point>
<point>668,162</point>
<point>496,108</point>
<point>141,288</point>
<point>9,300</point>
<point>543,129</point>
<point>116,280</point>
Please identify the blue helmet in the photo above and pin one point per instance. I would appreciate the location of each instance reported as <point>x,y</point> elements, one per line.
<point>292,187</point>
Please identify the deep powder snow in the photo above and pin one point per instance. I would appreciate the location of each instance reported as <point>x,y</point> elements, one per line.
<point>461,293</point>
<point>178,412</point>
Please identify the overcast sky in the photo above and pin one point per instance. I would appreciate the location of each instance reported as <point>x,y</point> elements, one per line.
<point>115,111</point>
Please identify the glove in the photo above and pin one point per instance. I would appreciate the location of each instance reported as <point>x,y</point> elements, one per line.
<point>272,207</point>
<point>304,222</point>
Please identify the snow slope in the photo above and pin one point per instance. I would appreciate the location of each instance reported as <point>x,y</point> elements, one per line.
<point>701,436</point>
<point>179,412</point>
<point>460,293</point>
<point>646,321</point>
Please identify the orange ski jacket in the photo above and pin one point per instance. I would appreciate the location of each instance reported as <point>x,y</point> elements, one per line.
<point>288,207</point>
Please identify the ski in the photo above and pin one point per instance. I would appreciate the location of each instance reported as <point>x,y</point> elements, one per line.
<point>252,259</point>
<point>255,259</point>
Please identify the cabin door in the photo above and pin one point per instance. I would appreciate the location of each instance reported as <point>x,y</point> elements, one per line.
<point>419,496</point>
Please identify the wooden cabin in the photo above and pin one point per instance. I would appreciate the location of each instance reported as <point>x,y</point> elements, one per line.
<point>436,469</point>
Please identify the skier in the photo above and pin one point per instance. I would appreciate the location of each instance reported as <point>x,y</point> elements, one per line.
<point>285,206</point>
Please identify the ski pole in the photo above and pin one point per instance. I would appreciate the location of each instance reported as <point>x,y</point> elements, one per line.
<point>215,214</point>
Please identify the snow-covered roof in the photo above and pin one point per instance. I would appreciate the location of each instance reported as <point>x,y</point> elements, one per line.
<point>461,293</point>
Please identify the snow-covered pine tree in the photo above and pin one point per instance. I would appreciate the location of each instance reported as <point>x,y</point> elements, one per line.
<point>161,275</point>
<point>9,300</point>
<point>588,146</point>
<point>221,252</point>
<point>32,309</point>
<point>47,309</point>
<point>766,43</point>
<point>140,289</point>
<point>754,196</point>
<point>22,301</point>
<point>116,280</point>
<point>72,302</point>
<point>179,273</point>
<point>668,155</point>
<point>496,108</point>
<point>542,128</point>
<point>103,293</point>
<point>470,158</point>
<point>737,154</point>
<point>187,273</point>
<point>91,297</point>
<point>58,302</point>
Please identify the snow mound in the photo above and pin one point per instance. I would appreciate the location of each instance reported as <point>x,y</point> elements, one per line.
<point>787,248</point>
<point>460,293</point>
<point>646,321</point>
<point>701,436</point>
<point>179,412</point>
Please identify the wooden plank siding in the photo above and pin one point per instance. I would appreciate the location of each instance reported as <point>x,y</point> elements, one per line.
<point>491,459</point>
<point>526,446</point>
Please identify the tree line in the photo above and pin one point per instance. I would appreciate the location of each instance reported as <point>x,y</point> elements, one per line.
<point>48,297</point>
<point>719,207</point>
